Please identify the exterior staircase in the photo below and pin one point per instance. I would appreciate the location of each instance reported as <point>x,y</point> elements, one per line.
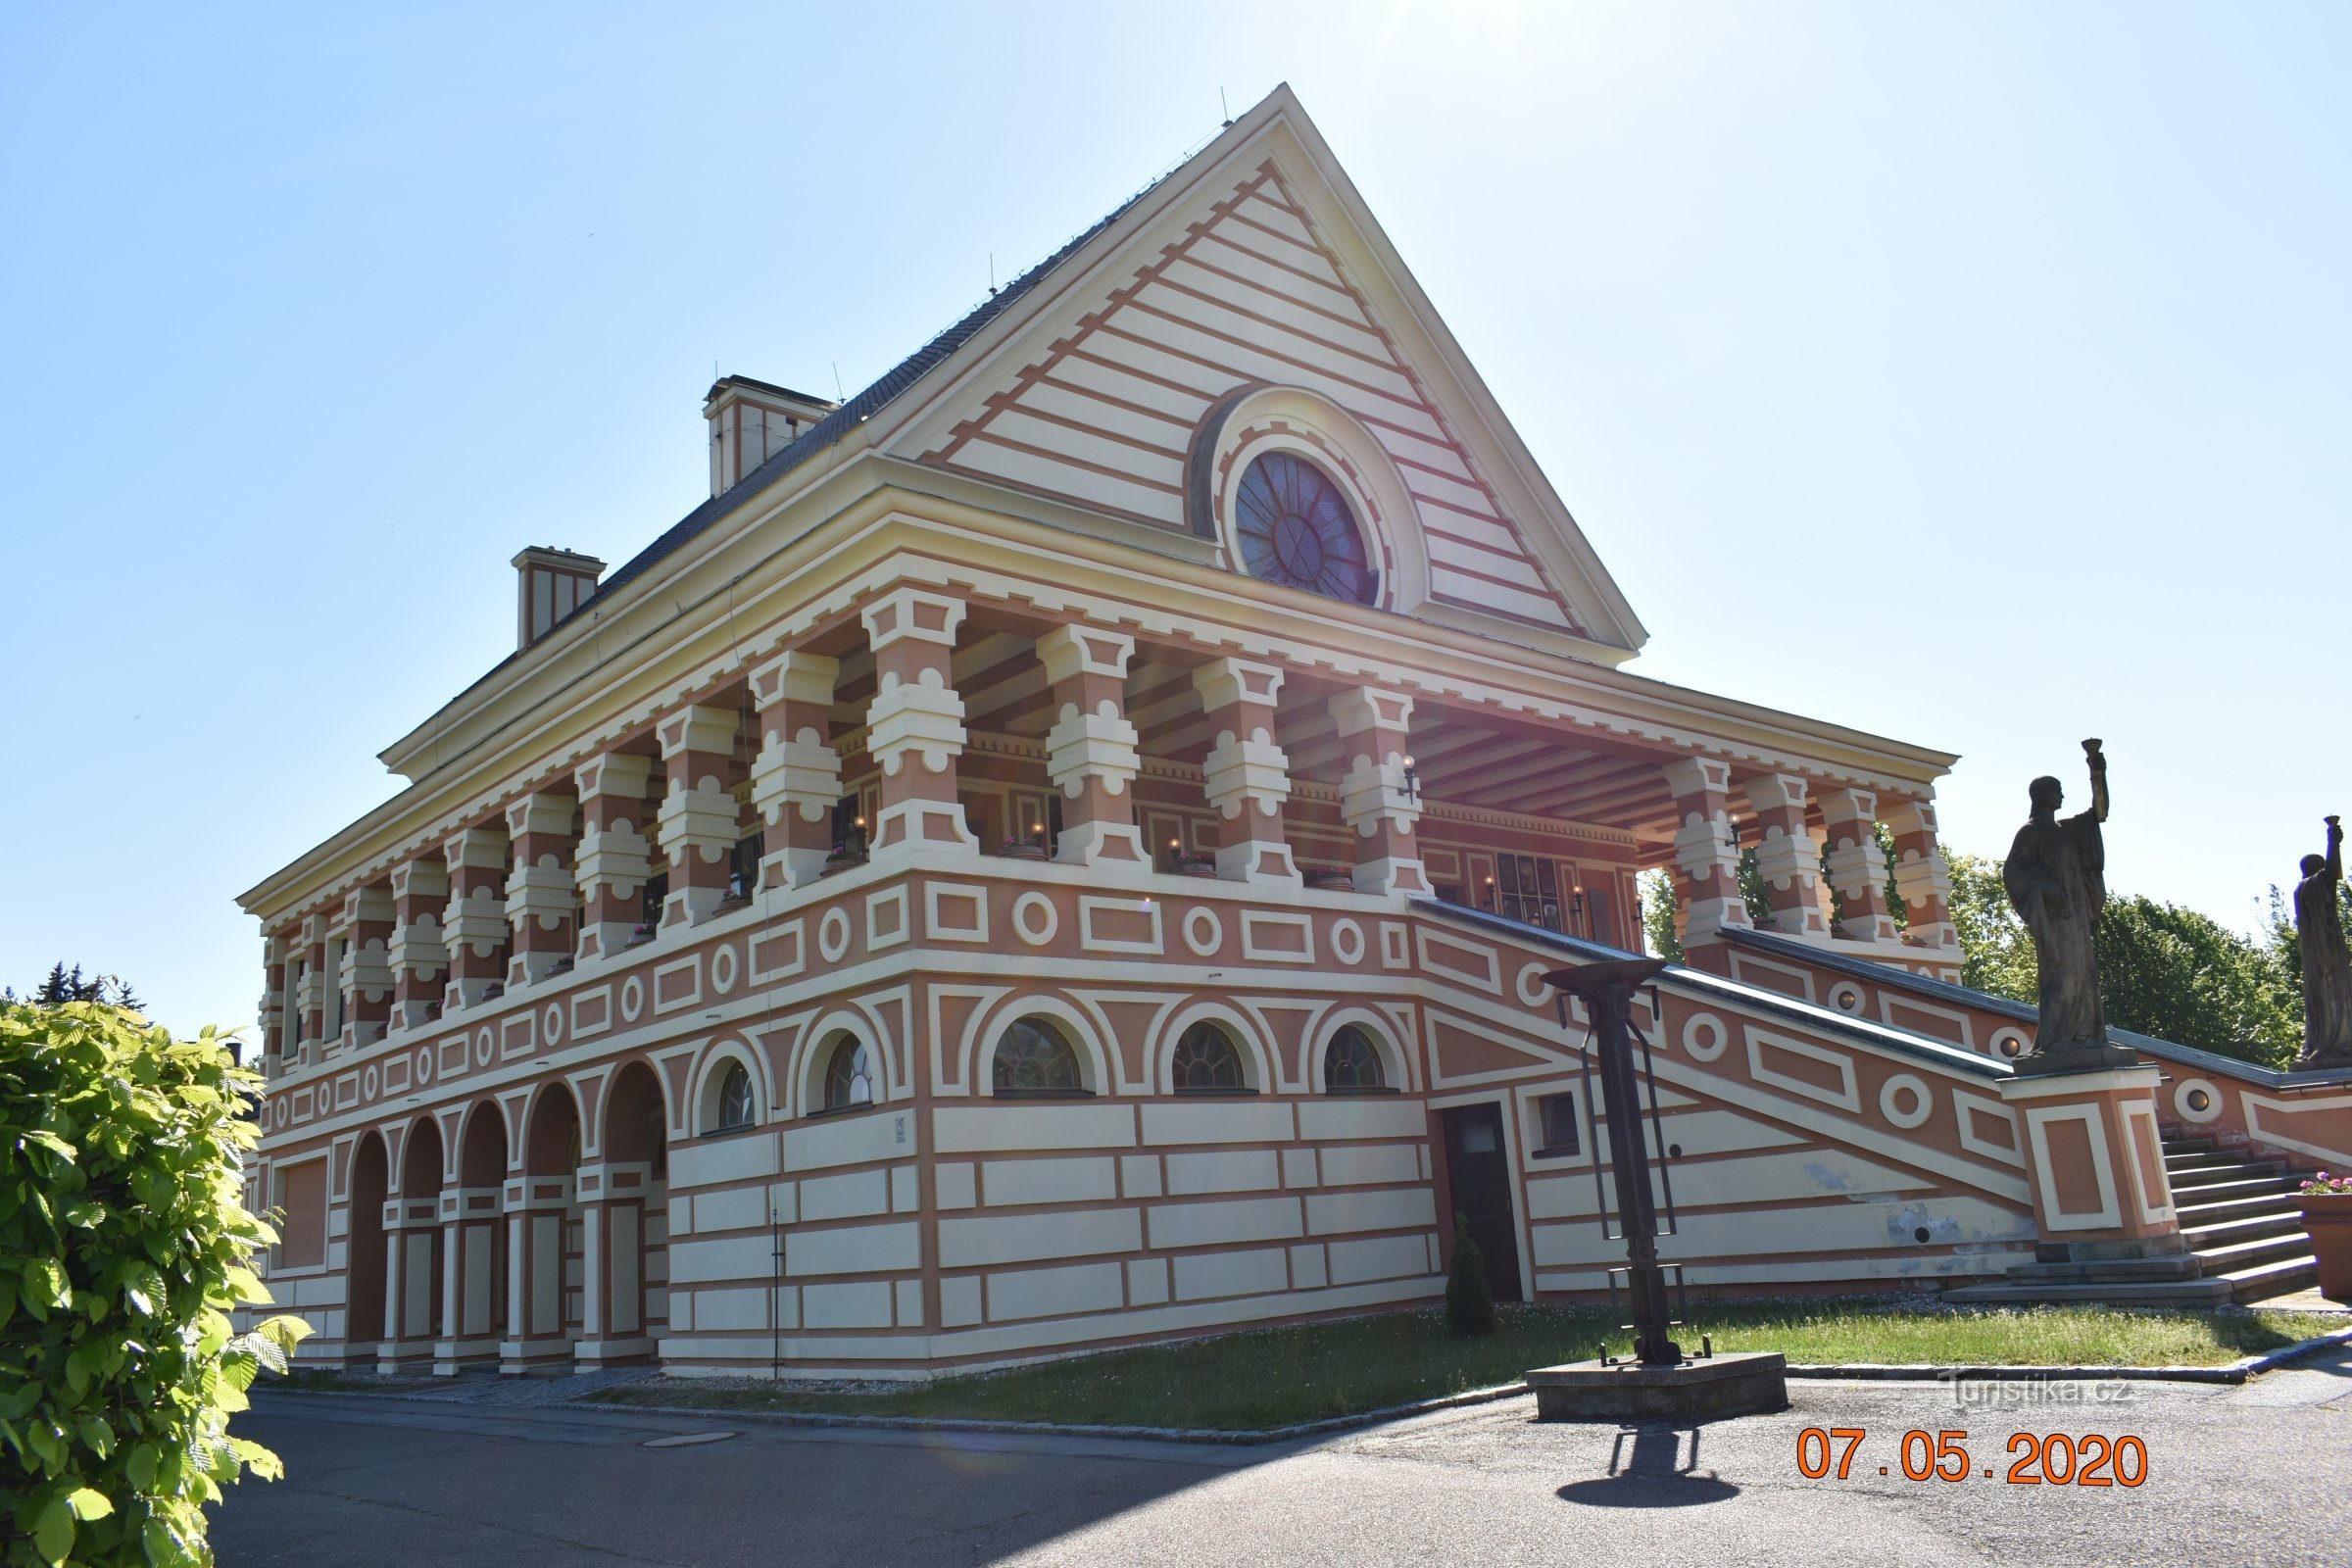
<point>2246,1243</point>
<point>2242,1218</point>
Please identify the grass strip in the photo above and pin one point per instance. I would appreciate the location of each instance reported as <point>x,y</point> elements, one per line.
<point>1279,1377</point>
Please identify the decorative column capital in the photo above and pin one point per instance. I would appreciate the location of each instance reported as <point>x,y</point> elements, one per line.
<point>481,849</point>
<point>910,613</point>
<point>1069,652</point>
<point>698,729</point>
<point>546,811</point>
<point>1372,707</point>
<point>1225,682</point>
<point>794,675</point>
<point>618,775</point>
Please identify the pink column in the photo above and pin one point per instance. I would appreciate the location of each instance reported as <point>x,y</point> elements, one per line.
<point>540,888</point>
<point>796,780</point>
<point>1707,867</point>
<point>1375,725</point>
<point>473,924</point>
<point>1921,878</point>
<point>417,954</point>
<point>914,726</point>
<point>1091,752</point>
<point>699,817</point>
<point>1786,856</point>
<point>1247,775</point>
<point>311,999</point>
<point>273,1012</point>
<point>369,923</point>
<point>614,858</point>
<point>1857,867</point>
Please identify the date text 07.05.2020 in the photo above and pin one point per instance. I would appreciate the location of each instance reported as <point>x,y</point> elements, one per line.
<point>2091,1459</point>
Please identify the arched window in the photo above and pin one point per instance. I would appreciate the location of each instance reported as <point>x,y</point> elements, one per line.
<point>1033,1058</point>
<point>1296,530</point>
<point>1353,1064</point>
<point>1206,1062</point>
<point>736,1106</point>
<point>849,1075</point>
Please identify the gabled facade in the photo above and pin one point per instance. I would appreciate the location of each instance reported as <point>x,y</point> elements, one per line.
<point>1062,849</point>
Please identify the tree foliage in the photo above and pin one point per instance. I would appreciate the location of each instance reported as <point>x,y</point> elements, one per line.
<point>1469,1300</point>
<point>65,986</point>
<point>123,1246</point>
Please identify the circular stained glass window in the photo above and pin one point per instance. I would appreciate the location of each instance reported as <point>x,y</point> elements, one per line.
<point>1296,530</point>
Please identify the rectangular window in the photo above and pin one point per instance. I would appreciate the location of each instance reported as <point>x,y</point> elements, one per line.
<point>1561,1135</point>
<point>1599,921</point>
<point>743,865</point>
<point>1528,889</point>
<point>302,1233</point>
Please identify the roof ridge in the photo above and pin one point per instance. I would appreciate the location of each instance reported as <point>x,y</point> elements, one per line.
<point>879,393</point>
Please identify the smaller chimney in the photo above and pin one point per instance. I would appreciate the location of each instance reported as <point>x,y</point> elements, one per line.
<point>549,584</point>
<point>752,421</point>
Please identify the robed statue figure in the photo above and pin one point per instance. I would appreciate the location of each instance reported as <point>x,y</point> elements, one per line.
<point>2326,969</point>
<point>2056,877</point>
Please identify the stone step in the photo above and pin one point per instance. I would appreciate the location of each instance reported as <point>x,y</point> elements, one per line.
<point>2206,1192</point>
<point>2249,1170</point>
<point>2200,1164</point>
<point>2146,1293</point>
<point>2245,1254</point>
<point>2188,1145</point>
<point>2168,1269</point>
<point>2201,1213</point>
<point>2223,1232</point>
<point>2284,1277</point>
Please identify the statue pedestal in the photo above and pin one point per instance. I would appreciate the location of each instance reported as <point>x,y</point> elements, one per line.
<point>2093,1159</point>
<point>1704,1389</point>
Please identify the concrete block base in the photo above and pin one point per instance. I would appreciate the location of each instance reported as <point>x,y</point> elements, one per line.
<point>1701,1389</point>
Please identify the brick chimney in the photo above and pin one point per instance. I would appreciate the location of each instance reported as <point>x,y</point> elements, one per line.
<point>549,584</point>
<point>751,422</point>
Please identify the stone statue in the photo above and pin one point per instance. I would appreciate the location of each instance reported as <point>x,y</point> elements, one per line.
<point>2056,877</point>
<point>2327,969</point>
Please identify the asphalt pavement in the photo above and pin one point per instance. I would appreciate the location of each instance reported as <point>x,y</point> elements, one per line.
<point>2259,1474</point>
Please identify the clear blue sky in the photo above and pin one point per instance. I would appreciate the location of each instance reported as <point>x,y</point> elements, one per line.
<point>1973,374</point>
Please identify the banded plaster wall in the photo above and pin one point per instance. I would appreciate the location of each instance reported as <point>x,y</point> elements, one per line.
<point>945,1227</point>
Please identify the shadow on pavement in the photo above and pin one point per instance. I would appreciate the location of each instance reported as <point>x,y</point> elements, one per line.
<point>1651,1476</point>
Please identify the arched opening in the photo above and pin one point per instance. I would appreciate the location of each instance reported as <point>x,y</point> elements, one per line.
<point>1206,1062</point>
<point>421,1262</point>
<point>1354,1064</point>
<point>631,1211</point>
<point>544,1310</point>
<point>368,1184</point>
<point>481,1248</point>
<point>1033,1057</point>
<point>849,1074</point>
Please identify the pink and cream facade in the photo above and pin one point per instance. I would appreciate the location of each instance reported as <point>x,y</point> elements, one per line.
<point>1061,851</point>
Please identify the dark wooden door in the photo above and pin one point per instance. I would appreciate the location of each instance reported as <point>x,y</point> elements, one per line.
<point>1480,1174</point>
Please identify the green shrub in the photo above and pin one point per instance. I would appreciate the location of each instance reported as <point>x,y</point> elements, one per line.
<point>1469,1303</point>
<point>124,1244</point>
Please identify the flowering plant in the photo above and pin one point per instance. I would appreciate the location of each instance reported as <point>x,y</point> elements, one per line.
<point>2324,1183</point>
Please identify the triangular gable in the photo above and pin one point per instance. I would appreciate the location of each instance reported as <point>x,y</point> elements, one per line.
<point>1238,275</point>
